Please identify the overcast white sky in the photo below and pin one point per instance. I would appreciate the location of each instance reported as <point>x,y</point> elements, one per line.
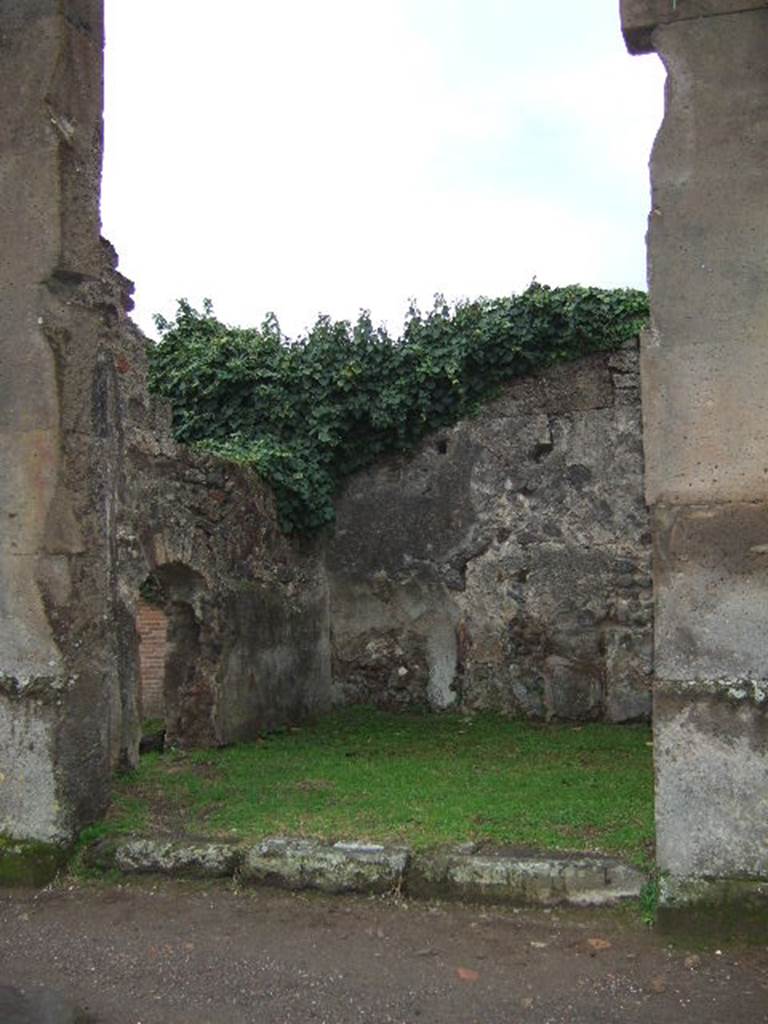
<point>307,156</point>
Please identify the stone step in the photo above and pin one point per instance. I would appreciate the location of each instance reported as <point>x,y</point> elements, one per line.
<point>465,872</point>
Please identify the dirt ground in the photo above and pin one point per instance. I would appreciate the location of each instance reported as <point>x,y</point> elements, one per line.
<point>183,953</point>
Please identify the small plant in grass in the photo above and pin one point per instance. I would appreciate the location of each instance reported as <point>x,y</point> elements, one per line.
<point>649,897</point>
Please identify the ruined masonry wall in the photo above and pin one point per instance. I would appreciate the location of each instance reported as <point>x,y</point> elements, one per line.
<point>506,563</point>
<point>247,608</point>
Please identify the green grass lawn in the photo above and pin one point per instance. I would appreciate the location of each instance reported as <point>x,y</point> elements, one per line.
<point>417,778</point>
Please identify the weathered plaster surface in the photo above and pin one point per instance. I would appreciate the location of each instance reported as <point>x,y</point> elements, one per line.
<point>506,564</point>
<point>712,778</point>
<point>711,576</point>
<point>705,362</point>
<point>704,372</point>
<point>641,17</point>
<point>26,737</point>
<point>55,466</point>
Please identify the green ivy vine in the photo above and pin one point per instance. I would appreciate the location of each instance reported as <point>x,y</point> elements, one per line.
<point>306,413</point>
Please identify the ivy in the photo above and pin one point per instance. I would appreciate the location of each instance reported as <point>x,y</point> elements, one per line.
<point>307,413</point>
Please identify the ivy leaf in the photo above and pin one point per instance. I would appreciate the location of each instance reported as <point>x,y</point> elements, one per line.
<point>305,413</point>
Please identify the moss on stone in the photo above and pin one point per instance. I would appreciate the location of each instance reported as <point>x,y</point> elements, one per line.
<point>711,912</point>
<point>30,863</point>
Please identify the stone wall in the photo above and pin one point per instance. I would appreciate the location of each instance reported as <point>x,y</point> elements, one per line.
<point>506,563</point>
<point>247,609</point>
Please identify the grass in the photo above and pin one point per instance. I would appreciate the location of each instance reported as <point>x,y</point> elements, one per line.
<point>416,778</point>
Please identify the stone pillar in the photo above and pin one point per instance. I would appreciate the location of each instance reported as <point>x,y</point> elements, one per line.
<point>59,428</point>
<point>704,373</point>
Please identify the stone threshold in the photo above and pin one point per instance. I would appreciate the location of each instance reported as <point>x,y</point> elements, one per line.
<point>465,872</point>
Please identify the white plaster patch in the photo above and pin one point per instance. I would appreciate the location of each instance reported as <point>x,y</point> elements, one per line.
<point>441,652</point>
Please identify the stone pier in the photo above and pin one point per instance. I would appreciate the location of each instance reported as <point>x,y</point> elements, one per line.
<point>59,430</point>
<point>96,498</point>
<point>704,373</point>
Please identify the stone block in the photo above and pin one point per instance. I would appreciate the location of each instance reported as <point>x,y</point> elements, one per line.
<point>522,878</point>
<point>29,805</point>
<point>711,754</point>
<point>711,577</point>
<point>32,864</point>
<point>186,859</point>
<point>704,362</point>
<point>713,910</point>
<point>628,674</point>
<point>341,867</point>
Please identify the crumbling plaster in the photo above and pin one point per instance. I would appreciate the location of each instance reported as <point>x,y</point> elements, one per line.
<point>506,563</point>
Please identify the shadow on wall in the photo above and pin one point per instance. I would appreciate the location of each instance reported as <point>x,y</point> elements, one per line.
<point>176,677</point>
<point>187,685</point>
<point>225,665</point>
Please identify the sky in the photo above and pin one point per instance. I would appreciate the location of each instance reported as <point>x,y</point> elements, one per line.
<point>324,156</point>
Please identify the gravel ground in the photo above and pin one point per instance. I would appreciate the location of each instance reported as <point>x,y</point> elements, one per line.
<point>184,953</point>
